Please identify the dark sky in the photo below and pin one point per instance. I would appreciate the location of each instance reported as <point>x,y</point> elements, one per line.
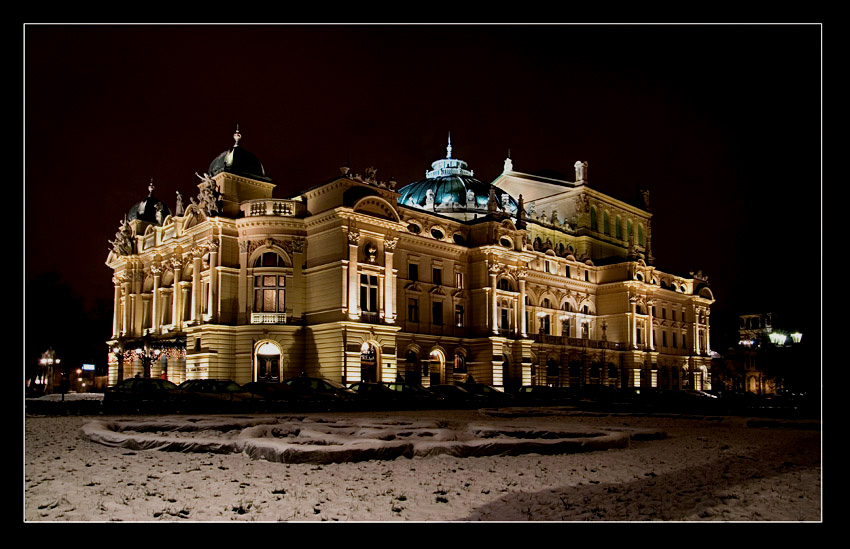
<point>722,123</point>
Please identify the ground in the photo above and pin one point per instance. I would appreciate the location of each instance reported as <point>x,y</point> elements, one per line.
<point>672,468</point>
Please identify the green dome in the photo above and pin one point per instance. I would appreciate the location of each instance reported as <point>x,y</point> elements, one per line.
<point>449,187</point>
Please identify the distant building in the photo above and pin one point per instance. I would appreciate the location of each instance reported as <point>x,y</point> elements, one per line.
<point>525,280</point>
<point>767,358</point>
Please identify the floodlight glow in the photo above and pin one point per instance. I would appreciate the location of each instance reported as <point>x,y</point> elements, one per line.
<point>778,339</point>
<point>796,337</point>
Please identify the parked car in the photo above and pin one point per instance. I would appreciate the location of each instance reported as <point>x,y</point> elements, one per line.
<point>457,395</point>
<point>317,390</point>
<point>377,395</point>
<point>492,394</point>
<point>142,394</point>
<point>416,395</point>
<point>219,395</point>
<point>275,395</point>
<point>542,394</point>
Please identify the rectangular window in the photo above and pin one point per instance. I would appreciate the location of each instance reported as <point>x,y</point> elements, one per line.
<point>369,293</point>
<point>567,271</point>
<point>459,280</point>
<point>459,316</point>
<point>437,276</point>
<point>413,310</point>
<point>663,339</point>
<point>674,341</point>
<point>437,313</point>
<point>413,272</point>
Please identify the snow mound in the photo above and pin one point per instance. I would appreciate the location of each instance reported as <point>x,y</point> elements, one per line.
<point>301,440</point>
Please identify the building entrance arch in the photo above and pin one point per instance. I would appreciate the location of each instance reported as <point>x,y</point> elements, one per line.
<point>437,367</point>
<point>267,362</point>
<point>370,361</point>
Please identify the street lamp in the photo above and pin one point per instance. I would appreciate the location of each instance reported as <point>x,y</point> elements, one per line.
<point>44,377</point>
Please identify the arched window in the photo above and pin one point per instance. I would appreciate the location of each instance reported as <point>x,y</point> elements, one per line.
<point>460,364</point>
<point>640,235</point>
<point>593,220</point>
<point>618,227</point>
<point>269,284</point>
<point>505,284</point>
<point>606,228</point>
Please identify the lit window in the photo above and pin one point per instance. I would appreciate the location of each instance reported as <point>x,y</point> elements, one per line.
<point>459,316</point>
<point>369,293</point>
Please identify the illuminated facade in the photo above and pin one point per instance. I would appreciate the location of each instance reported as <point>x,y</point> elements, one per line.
<point>525,280</point>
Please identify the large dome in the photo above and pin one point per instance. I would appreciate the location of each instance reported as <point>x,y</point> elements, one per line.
<point>450,188</point>
<point>151,209</point>
<point>238,161</point>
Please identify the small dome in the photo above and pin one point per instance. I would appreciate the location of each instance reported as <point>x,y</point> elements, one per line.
<point>147,209</point>
<point>238,161</point>
<point>449,187</point>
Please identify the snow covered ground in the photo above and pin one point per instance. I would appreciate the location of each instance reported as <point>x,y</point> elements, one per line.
<point>488,465</point>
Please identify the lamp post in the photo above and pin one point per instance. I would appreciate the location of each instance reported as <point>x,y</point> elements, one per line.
<point>118,351</point>
<point>147,355</point>
<point>45,373</point>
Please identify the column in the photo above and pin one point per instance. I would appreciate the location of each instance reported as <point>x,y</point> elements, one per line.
<point>389,309</point>
<point>212,304</point>
<point>353,242</point>
<point>125,291</point>
<point>155,314</point>
<point>176,295</point>
<point>116,307</point>
<point>633,322</point>
<point>195,311</point>
<point>521,275</point>
<point>494,317</point>
<point>650,337</point>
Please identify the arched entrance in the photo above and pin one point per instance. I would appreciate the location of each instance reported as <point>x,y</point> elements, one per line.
<point>412,373</point>
<point>267,362</point>
<point>369,359</point>
<point>437,368</point>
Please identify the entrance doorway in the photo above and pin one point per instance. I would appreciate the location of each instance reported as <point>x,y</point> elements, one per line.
<point>438,367</point>
<point>368,363</point>
<point>268,363</point>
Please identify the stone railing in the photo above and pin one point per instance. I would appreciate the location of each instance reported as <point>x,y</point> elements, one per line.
<point>272,206</point>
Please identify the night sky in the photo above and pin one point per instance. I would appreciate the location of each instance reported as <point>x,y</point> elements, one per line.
<point>721,123</point>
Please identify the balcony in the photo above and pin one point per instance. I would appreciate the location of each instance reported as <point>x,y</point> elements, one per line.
<point>370,317</point>
<point>268,318</point>
<point>576,342</point>
<point>272,206</point>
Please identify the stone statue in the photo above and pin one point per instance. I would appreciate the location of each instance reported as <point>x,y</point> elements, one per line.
<point>123,243</point>
<point>179,209</point>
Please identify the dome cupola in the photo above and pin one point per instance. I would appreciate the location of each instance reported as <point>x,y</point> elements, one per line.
<point>149,210</point>
<point>238,161</point>
<point>449,188</point>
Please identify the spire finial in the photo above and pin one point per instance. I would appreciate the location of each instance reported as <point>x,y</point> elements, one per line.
<point>449,147</point>
<point>237,136</point>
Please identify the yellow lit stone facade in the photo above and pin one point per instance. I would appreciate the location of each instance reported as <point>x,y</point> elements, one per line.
<point>522,281</point>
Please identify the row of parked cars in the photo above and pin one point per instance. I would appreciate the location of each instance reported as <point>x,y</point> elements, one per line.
<point>153,395</point>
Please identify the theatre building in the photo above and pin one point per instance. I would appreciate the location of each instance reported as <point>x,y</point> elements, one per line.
<point>524,280</point>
